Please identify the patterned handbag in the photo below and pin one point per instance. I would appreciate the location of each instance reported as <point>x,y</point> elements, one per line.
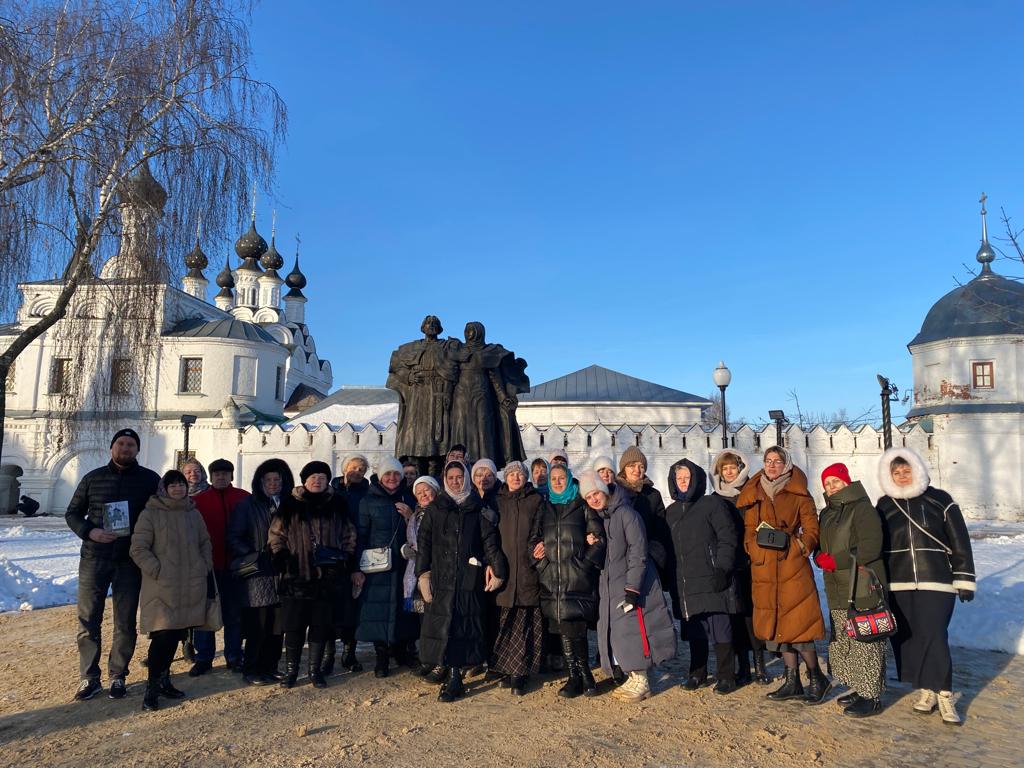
<point>872,624</point>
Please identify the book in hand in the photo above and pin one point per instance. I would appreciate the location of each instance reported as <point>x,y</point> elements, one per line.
<point>116,518</point>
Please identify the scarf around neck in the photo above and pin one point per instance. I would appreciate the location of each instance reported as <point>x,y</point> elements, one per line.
<point>467,484</point>
<point>771,487</point>
<point>570,492</point>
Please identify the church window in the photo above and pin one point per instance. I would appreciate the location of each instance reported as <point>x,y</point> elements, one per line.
<point>982,375</point>
<point>191,375</point>
<point>120,376</point>
<point>60,370</point>
<point>279,384</point>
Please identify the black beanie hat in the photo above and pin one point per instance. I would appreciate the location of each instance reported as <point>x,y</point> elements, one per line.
<point>221,465</point>
<point>127,432</point>
<point>315,468</point>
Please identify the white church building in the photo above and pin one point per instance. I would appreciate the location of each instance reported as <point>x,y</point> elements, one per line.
<point>246,368</point>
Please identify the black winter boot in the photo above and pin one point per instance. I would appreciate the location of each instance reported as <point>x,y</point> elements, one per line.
<point>349,660</point>
<point>792,688</point>
<point>581,651</point>
<point>761,676</point>
<point>453,687</point>
<point>725,663</point>
<point>863,708</point>
<point>574,685</point>
<point>316,674</point>
<point>291,666</point>
<point>327,663</point>
<point>168,690</point>
<point>380,667</point>
<point>743,673</point>
<point>436,675</point>
<point>150,701</point>
<point>818,685</point>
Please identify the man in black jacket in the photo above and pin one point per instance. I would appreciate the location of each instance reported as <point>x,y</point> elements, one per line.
<point>103,513</point>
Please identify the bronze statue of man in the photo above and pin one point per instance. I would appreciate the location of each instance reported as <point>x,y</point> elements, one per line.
<point>484,401</point>
<point>424,373</point>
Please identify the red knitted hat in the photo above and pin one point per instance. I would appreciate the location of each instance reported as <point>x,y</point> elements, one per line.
<point>836,470</point>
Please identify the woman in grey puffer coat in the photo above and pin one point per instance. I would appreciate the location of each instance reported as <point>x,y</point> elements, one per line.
<point>634,626</point>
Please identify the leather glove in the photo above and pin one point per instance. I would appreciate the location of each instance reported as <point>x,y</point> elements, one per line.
<point>631,600</point>
<point>825,561</point>
<point>424,585</point>
<point>966,595</point>
<point>719,580</point>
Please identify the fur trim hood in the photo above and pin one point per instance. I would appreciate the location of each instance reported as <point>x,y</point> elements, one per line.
<point>917,466</point>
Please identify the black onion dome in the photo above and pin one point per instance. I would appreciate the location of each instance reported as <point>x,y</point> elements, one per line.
<point>250,247</point>
<point>295,280</point>
<point>196,262</point>
<point>225,279</point>
<point>141,189</point>
<point>272,260</point>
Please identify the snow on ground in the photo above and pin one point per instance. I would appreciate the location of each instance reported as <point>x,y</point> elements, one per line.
<point>39,568</point>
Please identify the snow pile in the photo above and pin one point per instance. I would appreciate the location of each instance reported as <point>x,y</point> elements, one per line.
<point>994,620</point>
<point>38,568</point>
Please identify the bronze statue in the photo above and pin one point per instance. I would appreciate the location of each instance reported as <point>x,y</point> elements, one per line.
<point>452,392</point>
<point>423,373</point>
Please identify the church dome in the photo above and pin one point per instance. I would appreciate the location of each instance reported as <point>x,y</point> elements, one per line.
<point>250,247</point>
<point>989,305</point>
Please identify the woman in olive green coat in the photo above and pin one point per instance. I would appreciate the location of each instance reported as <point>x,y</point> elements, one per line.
<point>850,524</point>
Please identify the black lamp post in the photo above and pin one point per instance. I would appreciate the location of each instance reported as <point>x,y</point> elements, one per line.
<point>722,377</point>
<point>779,418</point>
<point>187,420</point>
<point>889,392</point>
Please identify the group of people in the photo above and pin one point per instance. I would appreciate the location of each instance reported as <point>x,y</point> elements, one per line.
<point>506,573</point>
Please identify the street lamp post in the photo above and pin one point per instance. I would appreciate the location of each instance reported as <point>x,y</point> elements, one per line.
<point>187,420</point>
<point>779,418</point>
<point>889,392</point>
<point>722,377</point>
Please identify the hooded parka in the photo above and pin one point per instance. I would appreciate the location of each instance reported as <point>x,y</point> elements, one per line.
<point>628,567</point>
<point>172,548</point>
<point>786,607</point>
<point>925,540</point>
<point>455,544</point>
<point>704,537</point>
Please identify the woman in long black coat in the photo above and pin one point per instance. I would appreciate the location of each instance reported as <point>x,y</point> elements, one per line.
<point>569,550</point>
<point>459,559</point>
<point>261,605</point>
<point>520,631</point>
<point>703,544</point>
<point>381,522</point>
<point>312,593</point>
<point>351,485</point>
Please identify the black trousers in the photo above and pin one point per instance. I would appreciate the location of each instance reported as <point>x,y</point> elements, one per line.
<point>703,631</point>
<point>921,642</point>
<point>96,575</point>
<point>261,628</point>
<point>162,646</point>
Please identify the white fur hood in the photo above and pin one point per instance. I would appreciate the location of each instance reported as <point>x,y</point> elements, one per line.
<point>917,466</point>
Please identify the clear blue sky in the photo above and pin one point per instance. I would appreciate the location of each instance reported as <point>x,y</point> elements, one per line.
<point>650,187</point>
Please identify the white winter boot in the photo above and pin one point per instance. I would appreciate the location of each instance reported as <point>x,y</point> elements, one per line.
<point>636,688</point>
<point>926,702</point>
<point>947,708</point>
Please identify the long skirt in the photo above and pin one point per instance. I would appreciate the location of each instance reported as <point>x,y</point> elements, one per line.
<point>921,642</point>
<point>520,643</point>
<point>861,666</point>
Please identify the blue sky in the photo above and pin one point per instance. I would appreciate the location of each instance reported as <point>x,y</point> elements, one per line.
<point>651,186</point>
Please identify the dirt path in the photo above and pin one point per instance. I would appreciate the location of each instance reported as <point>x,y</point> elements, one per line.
<point>360,720</point>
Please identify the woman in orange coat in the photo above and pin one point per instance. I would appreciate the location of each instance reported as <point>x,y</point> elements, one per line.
<point>787,614</point>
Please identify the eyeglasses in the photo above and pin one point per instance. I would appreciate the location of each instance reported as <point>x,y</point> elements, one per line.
<point>774,463</point>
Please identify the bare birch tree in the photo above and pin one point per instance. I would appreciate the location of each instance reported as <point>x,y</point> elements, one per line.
<point>93,92</point>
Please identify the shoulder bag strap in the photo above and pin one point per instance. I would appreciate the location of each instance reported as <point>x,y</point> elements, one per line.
<point>853,577</point>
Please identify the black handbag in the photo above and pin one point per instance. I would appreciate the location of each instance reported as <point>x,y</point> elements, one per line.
<point>325,556</point>
<point>772,538</point>
<point>872,624</point>
<point>253,564</point>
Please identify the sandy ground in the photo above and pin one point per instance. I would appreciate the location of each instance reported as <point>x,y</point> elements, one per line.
<point>360,720</point>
